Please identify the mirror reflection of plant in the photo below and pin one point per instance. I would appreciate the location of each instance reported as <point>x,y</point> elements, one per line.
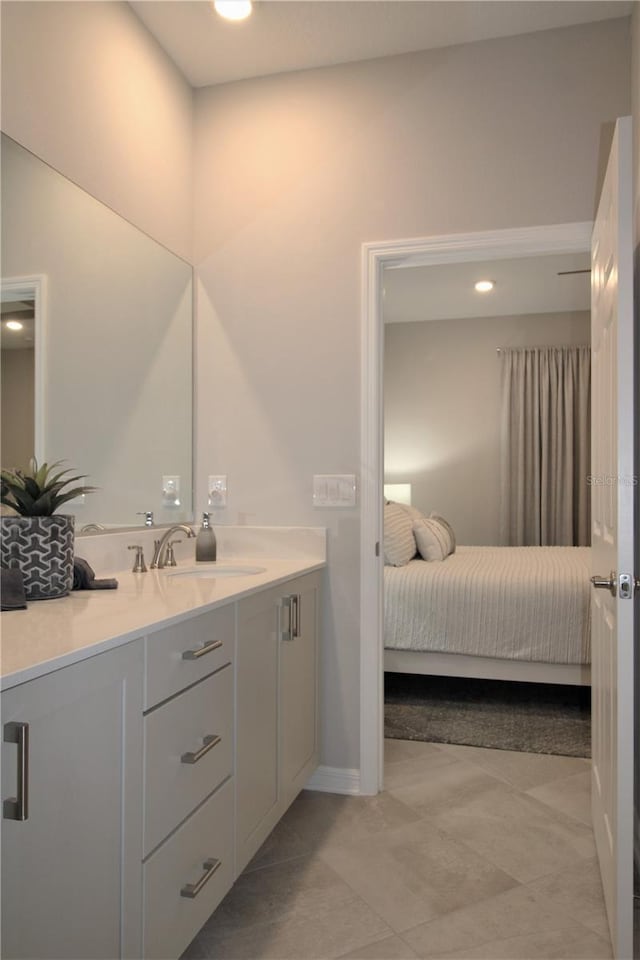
<point>39,491</point>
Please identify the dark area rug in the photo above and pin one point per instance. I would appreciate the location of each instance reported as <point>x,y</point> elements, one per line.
<point>529,717</point>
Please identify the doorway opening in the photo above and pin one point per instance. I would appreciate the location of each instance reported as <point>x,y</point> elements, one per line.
<point>427,252</point>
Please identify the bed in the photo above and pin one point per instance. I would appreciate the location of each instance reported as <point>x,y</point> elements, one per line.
<point>507,613</point>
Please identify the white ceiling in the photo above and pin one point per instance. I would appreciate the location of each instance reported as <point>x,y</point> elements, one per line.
<point>526,285</point>
<point>284,35</point>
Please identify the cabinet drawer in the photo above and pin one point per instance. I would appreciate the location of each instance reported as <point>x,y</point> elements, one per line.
<point>179,769</point>
<point>186,652</point>
<point>172,920</point>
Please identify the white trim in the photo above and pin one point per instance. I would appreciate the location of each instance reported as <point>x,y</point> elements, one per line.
<point>35,287</point>
<point>458,248</point>
<point>335,780</point>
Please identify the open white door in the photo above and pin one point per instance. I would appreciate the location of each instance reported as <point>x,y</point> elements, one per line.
<point>612,502</point>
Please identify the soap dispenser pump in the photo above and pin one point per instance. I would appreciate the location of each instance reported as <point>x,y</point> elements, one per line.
<point>205,541</point>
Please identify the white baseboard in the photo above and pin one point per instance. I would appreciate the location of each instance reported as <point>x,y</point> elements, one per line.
<point>335,780</point>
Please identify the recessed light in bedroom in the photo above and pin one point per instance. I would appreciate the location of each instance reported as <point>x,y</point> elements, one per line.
<point>483,286</point>
<point>13,325</point>
<point>233,9</point>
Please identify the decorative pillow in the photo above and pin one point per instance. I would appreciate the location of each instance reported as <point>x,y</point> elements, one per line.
<point>399,542</point>
<point>413,512</point>
<point>449,529</point>
<point>432,538</point>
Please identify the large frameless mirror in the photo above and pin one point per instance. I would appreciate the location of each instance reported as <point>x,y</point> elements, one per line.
<point>99,372</point>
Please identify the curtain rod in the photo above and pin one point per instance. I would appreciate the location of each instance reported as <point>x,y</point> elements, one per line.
<point>560,346</point>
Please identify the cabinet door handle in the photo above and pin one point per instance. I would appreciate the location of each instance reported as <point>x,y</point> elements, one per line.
<point>292,603</point>
<point>297,604</point>
<point>208,743</point>
<point>17,808</point>
<point>191,890</point>
<point>202,651</point>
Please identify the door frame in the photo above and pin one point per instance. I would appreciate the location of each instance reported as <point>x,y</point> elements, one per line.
<point>421,251</point>
<point>34,287</point>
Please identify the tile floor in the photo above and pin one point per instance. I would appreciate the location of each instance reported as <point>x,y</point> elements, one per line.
<point>467,853</point>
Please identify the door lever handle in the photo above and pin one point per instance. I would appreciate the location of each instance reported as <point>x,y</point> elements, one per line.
<point>609,583</point>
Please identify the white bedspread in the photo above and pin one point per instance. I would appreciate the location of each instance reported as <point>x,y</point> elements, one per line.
<point>516,603</point>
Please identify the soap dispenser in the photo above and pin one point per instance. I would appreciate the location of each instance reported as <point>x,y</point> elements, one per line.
<point>205,541</point>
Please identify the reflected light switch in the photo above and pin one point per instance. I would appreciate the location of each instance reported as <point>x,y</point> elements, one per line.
<point>171,491</point>
<point>334,490</point>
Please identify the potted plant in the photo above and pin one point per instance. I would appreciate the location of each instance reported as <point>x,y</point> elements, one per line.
<point>34,539</point>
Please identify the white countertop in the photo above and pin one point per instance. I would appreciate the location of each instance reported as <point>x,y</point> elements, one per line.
<point>51,634</point>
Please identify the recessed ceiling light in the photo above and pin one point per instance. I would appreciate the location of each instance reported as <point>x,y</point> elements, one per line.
<point>233,9</point>
<point>483,286</point>
<point>13,325</point>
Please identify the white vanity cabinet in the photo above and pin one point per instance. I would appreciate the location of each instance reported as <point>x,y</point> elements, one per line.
<point>188,787</point>
<point>276,706</point>
<point>138,782</point>
<point>71,766</point>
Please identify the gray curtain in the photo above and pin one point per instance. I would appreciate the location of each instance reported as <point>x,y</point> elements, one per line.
<point>546,439</point>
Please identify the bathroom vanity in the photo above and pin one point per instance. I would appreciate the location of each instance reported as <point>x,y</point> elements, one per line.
<point>152,738</point>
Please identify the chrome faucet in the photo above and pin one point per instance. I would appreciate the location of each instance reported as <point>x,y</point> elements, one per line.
<point>161,546</point>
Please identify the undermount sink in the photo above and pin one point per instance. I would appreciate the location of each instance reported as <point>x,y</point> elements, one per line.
<point>210,571</point>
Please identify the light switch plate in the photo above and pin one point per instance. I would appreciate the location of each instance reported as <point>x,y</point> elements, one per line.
<point>217,491</point>
<point>171,491</point>
<point>334,490</point>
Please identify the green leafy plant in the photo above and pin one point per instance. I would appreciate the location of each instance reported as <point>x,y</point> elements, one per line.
<point>39,491</point>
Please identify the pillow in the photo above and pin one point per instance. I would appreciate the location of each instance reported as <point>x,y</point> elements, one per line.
<point>399,542</point>
<point>449,529</point>
<point>413,512</point>
<point>432,538</point>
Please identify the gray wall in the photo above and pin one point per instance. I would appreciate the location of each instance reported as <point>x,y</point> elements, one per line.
<point>442,406</point>
<point>87,88</point>
<point>292,174</point>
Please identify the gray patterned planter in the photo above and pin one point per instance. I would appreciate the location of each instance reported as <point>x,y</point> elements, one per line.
<point>42,549</point>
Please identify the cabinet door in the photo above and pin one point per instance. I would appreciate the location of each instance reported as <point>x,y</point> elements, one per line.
<point>298,686</point>
<point>66,890</point>
<point>256,723</point>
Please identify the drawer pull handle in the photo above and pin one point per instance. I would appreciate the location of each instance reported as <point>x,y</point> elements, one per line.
<point>201,651</point>
<point>191,890</point>
<point>207,744</point>
<point>18,808</point>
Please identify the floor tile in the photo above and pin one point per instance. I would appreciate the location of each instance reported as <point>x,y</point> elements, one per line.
<point>397,751</point>
<point>519,834</point>
<point>543,945</point>
<point>578,893</point>
<point>391,948</point>
<point>406,767</point>
<point>572,796</point>
<point>467,853</point>
<point>521,770</point>
<point>414,873</point>
<point>300,888</point>
<point>435,791</point>
<point>323,818</point>
<point>283,843</point>
<point>479,927</point>
<point>322,937</point>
